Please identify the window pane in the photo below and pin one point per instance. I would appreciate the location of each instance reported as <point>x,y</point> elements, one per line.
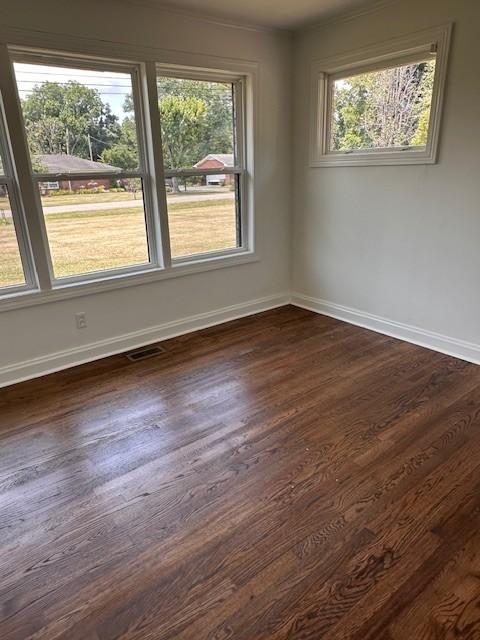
<point>96,226</point>
<point>77,120</point>
<point>11,270</point>
<point>383,109</point>
<point>197,119</point>
<point>202,215</point>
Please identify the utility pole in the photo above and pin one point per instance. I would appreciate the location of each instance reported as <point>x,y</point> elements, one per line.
<point>90,146</point>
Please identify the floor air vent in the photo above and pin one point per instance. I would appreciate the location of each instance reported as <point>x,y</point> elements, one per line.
<point>144,353</point>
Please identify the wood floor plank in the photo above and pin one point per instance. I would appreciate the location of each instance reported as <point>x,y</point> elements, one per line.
<point>280,476</point>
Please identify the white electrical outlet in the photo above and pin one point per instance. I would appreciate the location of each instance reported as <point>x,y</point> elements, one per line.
<point>81,320</point>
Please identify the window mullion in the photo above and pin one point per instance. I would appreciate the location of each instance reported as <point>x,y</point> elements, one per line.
<point>244,222</point>
<point>155,157</point>
<point>30,197</point>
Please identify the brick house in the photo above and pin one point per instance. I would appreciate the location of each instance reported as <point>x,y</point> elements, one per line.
<point>63,164</point>
<point>217,161</point>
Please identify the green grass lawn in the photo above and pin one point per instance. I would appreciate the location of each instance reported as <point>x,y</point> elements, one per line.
<point>10,265</point>
<point>82,242</point>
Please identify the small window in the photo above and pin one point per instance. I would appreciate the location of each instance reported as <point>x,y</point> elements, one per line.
<point>384,110</point>
<point>202,139</point>
<point>49,186</point>
<point>82,124</point>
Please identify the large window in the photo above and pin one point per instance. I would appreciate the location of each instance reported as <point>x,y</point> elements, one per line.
<point>202,138</point>
<point>125,168</point>
<point>382,106</point>
<point>84,138</point>
<point>15,270</point>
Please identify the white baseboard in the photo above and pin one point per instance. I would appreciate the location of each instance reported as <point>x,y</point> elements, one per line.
<point>18,372</point>
<point>59,360</point>
<point>429,339</point>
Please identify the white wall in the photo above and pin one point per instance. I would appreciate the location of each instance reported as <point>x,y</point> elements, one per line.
<point>402,242</point>
<point>39,332</point>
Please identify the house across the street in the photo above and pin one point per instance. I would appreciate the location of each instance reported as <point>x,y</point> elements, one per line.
<point>62,163</point>
<point>217,161</point>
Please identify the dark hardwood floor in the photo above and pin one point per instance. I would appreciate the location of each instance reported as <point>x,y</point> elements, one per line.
<point>280,476</point>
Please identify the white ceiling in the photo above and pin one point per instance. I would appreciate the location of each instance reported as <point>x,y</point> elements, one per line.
<point>283,14</point>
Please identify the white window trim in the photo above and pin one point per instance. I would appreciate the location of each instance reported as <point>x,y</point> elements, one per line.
<point>397,51</point>
<point>45,289</point>
<point>144,172</point>
<point>240,169</point>
<point>18,216</point>
<point>66,291</point>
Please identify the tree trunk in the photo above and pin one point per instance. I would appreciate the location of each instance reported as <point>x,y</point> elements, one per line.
<point>175,185</point>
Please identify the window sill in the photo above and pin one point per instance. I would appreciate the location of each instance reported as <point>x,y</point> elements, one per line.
<point>66,291</point>
<point>374,159</point>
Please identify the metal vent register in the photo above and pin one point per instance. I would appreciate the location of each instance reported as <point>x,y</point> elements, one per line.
<point>144,353</point>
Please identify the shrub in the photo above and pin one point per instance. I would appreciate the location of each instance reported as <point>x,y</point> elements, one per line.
<point>89,190</point>
<point>60,192</point>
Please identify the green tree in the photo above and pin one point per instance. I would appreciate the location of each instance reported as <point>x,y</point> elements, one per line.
<point>106,133</point>
<point>60,118</point>
<point>349,114</point>
<point>424,106</point>
<point>123,152</point>
<point>385,108</point>
<point>120,155</point>
<point>217,128</point>
<point>183,129</point>
<point>196,117</point>
<point>38,166</point>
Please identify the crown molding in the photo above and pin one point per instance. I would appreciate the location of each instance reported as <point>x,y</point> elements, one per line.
<point>346,16</point>
<point>166,7</point>
<point>343,16</point>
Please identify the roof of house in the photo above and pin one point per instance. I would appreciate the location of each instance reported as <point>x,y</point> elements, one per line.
<point>225,158</point>
<point>63,163</point>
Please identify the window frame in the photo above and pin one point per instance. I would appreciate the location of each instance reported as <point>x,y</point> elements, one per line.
<point>414,48</point>
<point>8,178</point>
<point>45,290</point>
<point>240,168</point>
<point>143,172</point>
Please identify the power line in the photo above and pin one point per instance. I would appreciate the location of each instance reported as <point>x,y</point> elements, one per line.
<point>68,72</point>
<point>104,142</point>
<point>84,84</point>
<point>103,93</point>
